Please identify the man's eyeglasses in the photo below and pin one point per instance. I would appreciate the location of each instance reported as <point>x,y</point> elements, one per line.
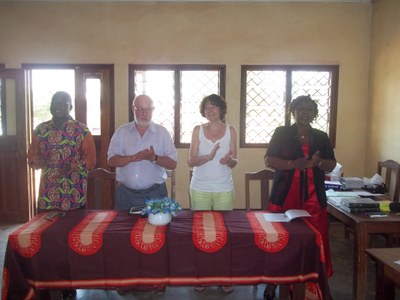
<point>143,110</point>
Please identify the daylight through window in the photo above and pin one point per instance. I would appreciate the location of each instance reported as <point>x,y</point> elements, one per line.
<point>177,91</point>
<point>268,90</point>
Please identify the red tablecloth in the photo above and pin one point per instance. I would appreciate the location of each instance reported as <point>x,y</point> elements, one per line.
<point>111,250</point>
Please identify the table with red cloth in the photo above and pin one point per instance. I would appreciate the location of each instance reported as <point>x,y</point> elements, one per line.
<point>108,249</point>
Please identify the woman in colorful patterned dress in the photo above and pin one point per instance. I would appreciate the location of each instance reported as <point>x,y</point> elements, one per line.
<point>212,155</point>
<point>64,150</point>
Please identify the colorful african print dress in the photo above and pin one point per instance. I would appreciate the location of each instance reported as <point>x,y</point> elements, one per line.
<point>65,154</point>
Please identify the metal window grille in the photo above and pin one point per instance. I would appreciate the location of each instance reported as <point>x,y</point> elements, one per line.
<point>177,93</point>
<point>268,92</point>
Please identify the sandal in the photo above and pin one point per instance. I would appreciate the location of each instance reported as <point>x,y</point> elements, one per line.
<point>159,290</point>
<point>227,289</point>
<point>199,288</point>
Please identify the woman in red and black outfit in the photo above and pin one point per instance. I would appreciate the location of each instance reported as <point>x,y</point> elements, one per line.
<point>300,156</point>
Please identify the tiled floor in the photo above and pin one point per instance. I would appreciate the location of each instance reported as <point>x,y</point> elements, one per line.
<point>340,283</point>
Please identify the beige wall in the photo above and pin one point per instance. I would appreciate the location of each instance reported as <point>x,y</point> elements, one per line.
<point>209,33</point>
<point>384,109</point>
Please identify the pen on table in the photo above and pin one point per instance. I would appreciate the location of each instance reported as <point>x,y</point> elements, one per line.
<point>52,215</point>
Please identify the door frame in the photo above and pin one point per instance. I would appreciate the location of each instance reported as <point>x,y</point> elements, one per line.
<point>105,72</point>
<point>15,185</point>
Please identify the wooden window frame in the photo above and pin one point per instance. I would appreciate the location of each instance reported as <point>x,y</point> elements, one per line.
<point>334,69</point>
<point>177,87</point>
<point>3,106</point>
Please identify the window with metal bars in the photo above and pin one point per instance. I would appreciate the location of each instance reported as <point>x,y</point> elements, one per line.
<point>266,92</point>
<point>177,91</point>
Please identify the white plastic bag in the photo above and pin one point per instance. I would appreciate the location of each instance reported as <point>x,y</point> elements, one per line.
<point>336,173</point>
<point>374,180</point>
<point>375,184</point>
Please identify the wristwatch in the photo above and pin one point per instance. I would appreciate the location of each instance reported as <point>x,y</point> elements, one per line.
<point>155,159</point>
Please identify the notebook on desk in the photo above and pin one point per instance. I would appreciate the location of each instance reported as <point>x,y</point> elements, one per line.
<point>353,193</point>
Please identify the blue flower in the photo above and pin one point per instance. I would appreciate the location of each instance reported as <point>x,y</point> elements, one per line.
<point>161,205</point>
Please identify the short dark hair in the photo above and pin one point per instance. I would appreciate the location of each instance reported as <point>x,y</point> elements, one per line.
<point>294,105</point>
<point>217,101</point>
<point>61,95</point>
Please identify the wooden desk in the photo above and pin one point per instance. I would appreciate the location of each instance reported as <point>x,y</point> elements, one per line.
<point>387,272</point>
<point>109,249</point>
<point>363,226</point>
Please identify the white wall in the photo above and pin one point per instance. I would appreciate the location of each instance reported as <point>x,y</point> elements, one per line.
<point>205,33</point>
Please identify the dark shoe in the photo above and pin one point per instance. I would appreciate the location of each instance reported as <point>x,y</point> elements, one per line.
<point>269,292</point>
<point>69,294</point>
<point>159,290</point>
<point>199,288</point>
<point>227,289</point>
<point>124,292</point>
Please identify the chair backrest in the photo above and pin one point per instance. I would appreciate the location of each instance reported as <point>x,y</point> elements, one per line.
<point>265,177</point>
<point>100,189</point>
<point>390,171</point>
<point>172,188</point>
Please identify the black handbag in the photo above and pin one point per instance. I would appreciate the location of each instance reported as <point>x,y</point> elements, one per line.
<point>376,188</point>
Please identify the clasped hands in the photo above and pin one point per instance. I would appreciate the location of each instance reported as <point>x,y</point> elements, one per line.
<point>224,160</point>
<point>305,163</point>
<point>145,154</point>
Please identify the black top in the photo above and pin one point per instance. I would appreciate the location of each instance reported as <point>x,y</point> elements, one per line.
<point>285,144</point>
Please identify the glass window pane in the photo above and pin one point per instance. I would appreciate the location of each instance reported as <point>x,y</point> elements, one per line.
<point>93,96</point>
<point>44,84</point>
<point>10,106</point>
<point>318,85</point>
<point>159,85</point>
<point>182,85</point>
<point>268,90</point>
<point>265,104</point>
<point>195,85</point>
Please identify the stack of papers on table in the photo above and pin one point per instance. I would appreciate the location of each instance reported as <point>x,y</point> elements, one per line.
<point>359,202</point>
<point>333,185</point>
<point>336,201</point>
<point>358,193</point>
<point>354,204</point>
<point>350,183</point>
<point>355,201</point>
<point>357,205</point>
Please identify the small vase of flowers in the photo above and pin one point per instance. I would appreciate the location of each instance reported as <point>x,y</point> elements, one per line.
<point>160,211</point>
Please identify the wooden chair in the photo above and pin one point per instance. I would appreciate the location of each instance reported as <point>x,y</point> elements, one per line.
<point>172,187</point>
<point>390,171</point>
<point>100,189</point>
<point>265,177</point>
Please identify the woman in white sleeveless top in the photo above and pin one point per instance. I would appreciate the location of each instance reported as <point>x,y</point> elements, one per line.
<point>212,156</point>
